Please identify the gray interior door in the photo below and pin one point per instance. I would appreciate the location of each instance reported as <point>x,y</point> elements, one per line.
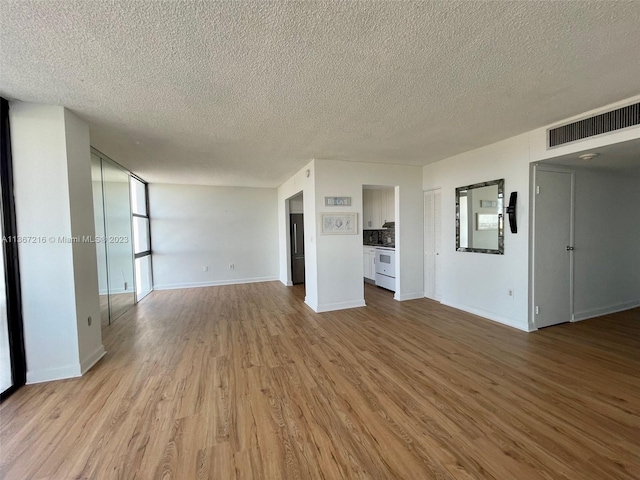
<point>553,247</point>
<point>297,248</point>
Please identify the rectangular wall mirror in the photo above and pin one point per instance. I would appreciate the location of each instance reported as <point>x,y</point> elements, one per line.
<point>479,217</point>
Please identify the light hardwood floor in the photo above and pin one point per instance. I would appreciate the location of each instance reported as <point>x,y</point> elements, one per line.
<point>120,303</point>
<point>246,382</point>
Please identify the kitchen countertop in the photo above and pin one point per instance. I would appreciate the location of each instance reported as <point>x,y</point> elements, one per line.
<point>380,245</point>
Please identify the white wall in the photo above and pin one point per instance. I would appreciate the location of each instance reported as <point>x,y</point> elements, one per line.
<point>296,204</point>
<point>84,253</point>
<point>197,226</point>
<point>58,280</point>
<point>607,243</point>
<point>479,283</point>
<point>340,265</point>
<point>333,263</point>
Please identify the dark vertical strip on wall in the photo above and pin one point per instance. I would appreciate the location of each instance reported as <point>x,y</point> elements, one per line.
<point>10,252</point>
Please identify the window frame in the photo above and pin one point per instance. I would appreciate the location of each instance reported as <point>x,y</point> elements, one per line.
<point>149,251</point>
<point>10,251</point>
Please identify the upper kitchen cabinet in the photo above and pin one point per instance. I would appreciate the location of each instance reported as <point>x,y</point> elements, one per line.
<point>367,209</point>
<point>388,205</point>
<point>378,206</point>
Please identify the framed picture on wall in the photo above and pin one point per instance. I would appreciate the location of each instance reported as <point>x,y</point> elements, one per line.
<point>339,223</point>
<point>337,201</point>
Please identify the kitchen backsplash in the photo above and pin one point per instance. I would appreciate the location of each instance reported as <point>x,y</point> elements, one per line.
<point>385,236</point>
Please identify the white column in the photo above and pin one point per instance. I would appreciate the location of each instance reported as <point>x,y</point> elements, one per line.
<point>54,214</point>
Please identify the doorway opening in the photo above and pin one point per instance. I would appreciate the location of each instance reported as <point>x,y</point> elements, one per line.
<point>296,239</point>
<point>585,257</point>
<point>379,248</point>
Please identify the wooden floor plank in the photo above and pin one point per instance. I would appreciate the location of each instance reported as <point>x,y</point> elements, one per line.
<point>245,381</point>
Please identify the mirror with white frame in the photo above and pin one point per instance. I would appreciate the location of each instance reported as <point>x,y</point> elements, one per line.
<point>479,217</point>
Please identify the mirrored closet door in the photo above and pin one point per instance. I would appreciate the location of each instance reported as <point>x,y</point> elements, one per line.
<point>114,245</point>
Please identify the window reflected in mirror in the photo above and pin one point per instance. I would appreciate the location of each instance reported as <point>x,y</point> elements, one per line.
<point>479,217</point>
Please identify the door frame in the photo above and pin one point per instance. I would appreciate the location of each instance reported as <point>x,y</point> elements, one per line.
<point>534,168</point>
<point>287,237</point>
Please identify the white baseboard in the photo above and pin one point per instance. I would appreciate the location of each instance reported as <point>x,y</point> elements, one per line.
<point>488,315</point>
<point>408,296</point>
<point>330,307</point>
<point>92,359</point>
<point>436,298</point>
<point>312,304</point>
<point>597,312</point>
<point>235,281</point>
<point>50,374</point>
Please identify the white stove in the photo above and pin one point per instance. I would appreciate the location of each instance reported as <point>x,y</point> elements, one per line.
<point>386,268</point>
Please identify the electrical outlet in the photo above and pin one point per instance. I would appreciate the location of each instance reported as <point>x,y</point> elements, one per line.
<point>231,266</point>
<point>205,269</point>
<point>511,292</point>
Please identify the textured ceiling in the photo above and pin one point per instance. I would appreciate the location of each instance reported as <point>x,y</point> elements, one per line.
<point>246,93</point>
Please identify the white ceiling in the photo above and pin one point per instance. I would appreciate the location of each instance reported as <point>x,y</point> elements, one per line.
<point>622,158</point>
<point>246,93</point>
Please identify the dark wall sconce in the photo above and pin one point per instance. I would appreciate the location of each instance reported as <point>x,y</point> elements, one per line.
<point>511,211</point>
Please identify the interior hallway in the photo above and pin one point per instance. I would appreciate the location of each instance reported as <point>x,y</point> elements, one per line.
<point>245,381</point>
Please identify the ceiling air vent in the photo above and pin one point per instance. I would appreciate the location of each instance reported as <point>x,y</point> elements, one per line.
<point>589,127</point>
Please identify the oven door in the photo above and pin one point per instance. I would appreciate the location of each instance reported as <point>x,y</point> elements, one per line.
<point>386,262</point>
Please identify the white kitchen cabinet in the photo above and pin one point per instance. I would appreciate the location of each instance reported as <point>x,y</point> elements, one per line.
<point>367,268</point>
<point>368,260</point>
<point>377,211</point>
<point>367,209</point>
<point>390,202</point>
<point>382,206</point>
<point>387,205</point>
<point>378,207</point>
